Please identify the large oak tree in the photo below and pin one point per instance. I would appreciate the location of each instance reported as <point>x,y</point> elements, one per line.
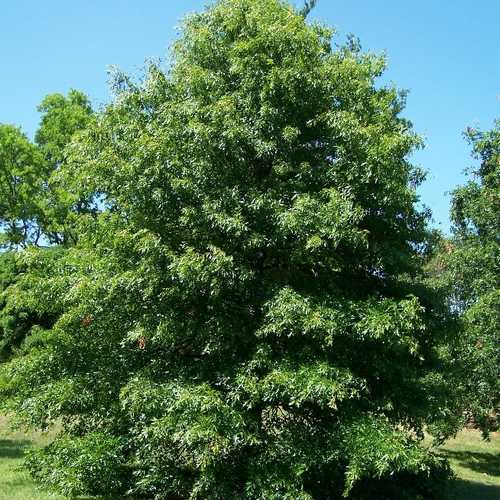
<point>246,316</point>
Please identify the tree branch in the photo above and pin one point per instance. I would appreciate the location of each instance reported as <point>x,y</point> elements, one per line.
<point>308,6</point>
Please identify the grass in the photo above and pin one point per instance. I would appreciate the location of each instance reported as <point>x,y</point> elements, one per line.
<point>476,463</point>
<point>15,484</point>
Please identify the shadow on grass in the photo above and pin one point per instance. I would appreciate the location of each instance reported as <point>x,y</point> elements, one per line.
<point>13,448</point>
<point>469,490</point>
<point>485,463</point>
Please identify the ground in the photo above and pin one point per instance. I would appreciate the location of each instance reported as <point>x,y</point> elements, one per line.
<point>476,463</point>
<point>15,484</point>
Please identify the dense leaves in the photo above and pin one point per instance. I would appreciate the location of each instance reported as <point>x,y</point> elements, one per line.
<point>36,210</point>
<point>22,171</point>
<point>61,121</point>
<point>468,269</point>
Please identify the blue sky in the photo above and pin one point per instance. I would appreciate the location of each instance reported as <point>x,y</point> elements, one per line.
<point>446,53</point>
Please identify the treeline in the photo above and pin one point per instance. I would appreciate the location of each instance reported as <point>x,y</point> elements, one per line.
<point>221,286</point>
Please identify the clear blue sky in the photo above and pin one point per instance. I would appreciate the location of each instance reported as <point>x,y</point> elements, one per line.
<point>446,53</point>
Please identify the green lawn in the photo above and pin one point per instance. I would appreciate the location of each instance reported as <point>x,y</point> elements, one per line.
<point>15,484</point>
<point>476,463</point>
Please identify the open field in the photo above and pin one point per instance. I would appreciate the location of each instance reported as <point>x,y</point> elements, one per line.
<point>476,463</point>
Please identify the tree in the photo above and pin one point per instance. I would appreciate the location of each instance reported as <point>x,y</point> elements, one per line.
<point>467,268</point>
<point>246,318</point>
<point>63,118</point>
<point>33,207</point>
<point>21,172</point>
<point>36,210</point>
<point>308,7</point>
<point>27,305</point>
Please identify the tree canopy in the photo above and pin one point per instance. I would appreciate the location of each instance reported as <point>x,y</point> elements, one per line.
<point>21,171</point>
<point>36,210</point>
<point>468,269</point>
<point>33,207</point>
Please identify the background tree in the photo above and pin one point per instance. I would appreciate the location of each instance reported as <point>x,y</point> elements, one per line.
<point>468,269</point>
<point>36,210</point>
<point>22,171</point>
<point>33,206</point>
<point>62,118</point>
<point>308,7</point>
<point>246,318</point>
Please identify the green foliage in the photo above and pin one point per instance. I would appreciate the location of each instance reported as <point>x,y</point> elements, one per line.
<point>8,269</point>
<point>376,450</point>
<point>34,208</point>
<point>81,466</point>
<point>22,171</point>
<point>467,269</point>
<point>246,317</point>
<point>476,205</point>
<point>61,118</point>
<point>28,302</point>
<point>308,6</point>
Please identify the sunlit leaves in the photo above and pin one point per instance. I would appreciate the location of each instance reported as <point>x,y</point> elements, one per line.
<point>245,295</point>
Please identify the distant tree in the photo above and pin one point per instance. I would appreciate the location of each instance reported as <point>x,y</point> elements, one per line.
<point>247,317</point>
<point>61,118</point>
<point>308,7</point>
<point>33,207</point>
<point>61,121</point>
<point>22,170</point>
<point>468,269</point>
<point>36,210</point>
